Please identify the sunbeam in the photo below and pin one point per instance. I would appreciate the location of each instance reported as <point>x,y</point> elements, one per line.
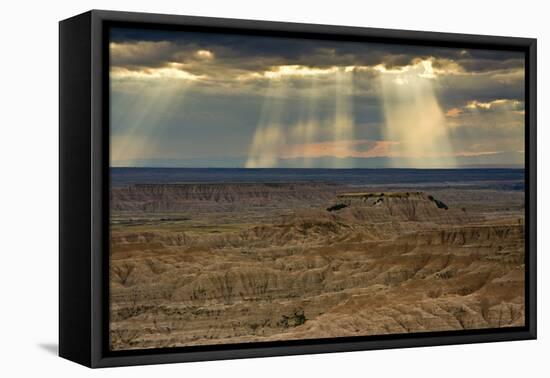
<point>414,118</point>
<point>270,139</point>
<point>270,132</point>
<point>308,126</point>
<point>140,113</point>
<point>343,127</point>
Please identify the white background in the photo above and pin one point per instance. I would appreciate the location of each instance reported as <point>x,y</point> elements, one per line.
<point>29,186</point>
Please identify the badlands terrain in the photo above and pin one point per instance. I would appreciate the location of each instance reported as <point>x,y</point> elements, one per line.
<point>212,263</point>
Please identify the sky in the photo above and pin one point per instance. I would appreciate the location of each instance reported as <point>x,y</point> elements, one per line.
<point>187,99</point>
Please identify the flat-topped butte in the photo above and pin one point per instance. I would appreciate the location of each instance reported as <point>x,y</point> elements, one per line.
<point>379,194</point>
<point>363,196</point>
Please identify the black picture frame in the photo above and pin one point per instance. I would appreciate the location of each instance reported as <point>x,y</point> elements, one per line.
<point>84,189</point>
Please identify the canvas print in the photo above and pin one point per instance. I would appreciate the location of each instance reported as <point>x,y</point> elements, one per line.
<point>270,189</point>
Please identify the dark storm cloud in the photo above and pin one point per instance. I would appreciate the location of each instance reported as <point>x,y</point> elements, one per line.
<point>259,53</point>
<point>482,65</point>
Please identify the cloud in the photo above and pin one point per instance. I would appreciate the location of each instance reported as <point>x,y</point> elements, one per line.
<point>173,72</point>
<point>229,80</point>
<point>499,105</point>
<point>340,149</point>
<point>258,54</point>
<point>204,54</point>
<point>140,53</point>
<point>496,105</point>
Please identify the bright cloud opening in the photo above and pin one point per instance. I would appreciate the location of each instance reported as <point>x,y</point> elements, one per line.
<point>297,70</point>
<point>153,73</point>
<point>205,54</point>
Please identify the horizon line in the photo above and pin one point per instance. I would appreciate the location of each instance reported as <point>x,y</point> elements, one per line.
<point>511,166</point>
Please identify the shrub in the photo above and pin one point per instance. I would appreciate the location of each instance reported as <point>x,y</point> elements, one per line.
<point>123,272</point>
<point>296,319</point>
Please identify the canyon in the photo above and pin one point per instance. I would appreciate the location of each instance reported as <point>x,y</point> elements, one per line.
<point>221,263</point>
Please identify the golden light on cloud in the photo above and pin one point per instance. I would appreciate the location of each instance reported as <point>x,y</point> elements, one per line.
<point>424,68</point>
<point>297,70</point>
<point>421,68</point>
<point>429,68</point>
<point>453,112</point>
<point>170,72</point>
<point>506,114</point>
<point>205,54</point>
<point>478,105</point>
<point>339,149</point>
<point>505,103</point>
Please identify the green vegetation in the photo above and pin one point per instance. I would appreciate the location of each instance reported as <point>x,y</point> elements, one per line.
<point>338,206</point>
<point>438,203</point>
<point>296,319</point>
<point>378,194</point>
